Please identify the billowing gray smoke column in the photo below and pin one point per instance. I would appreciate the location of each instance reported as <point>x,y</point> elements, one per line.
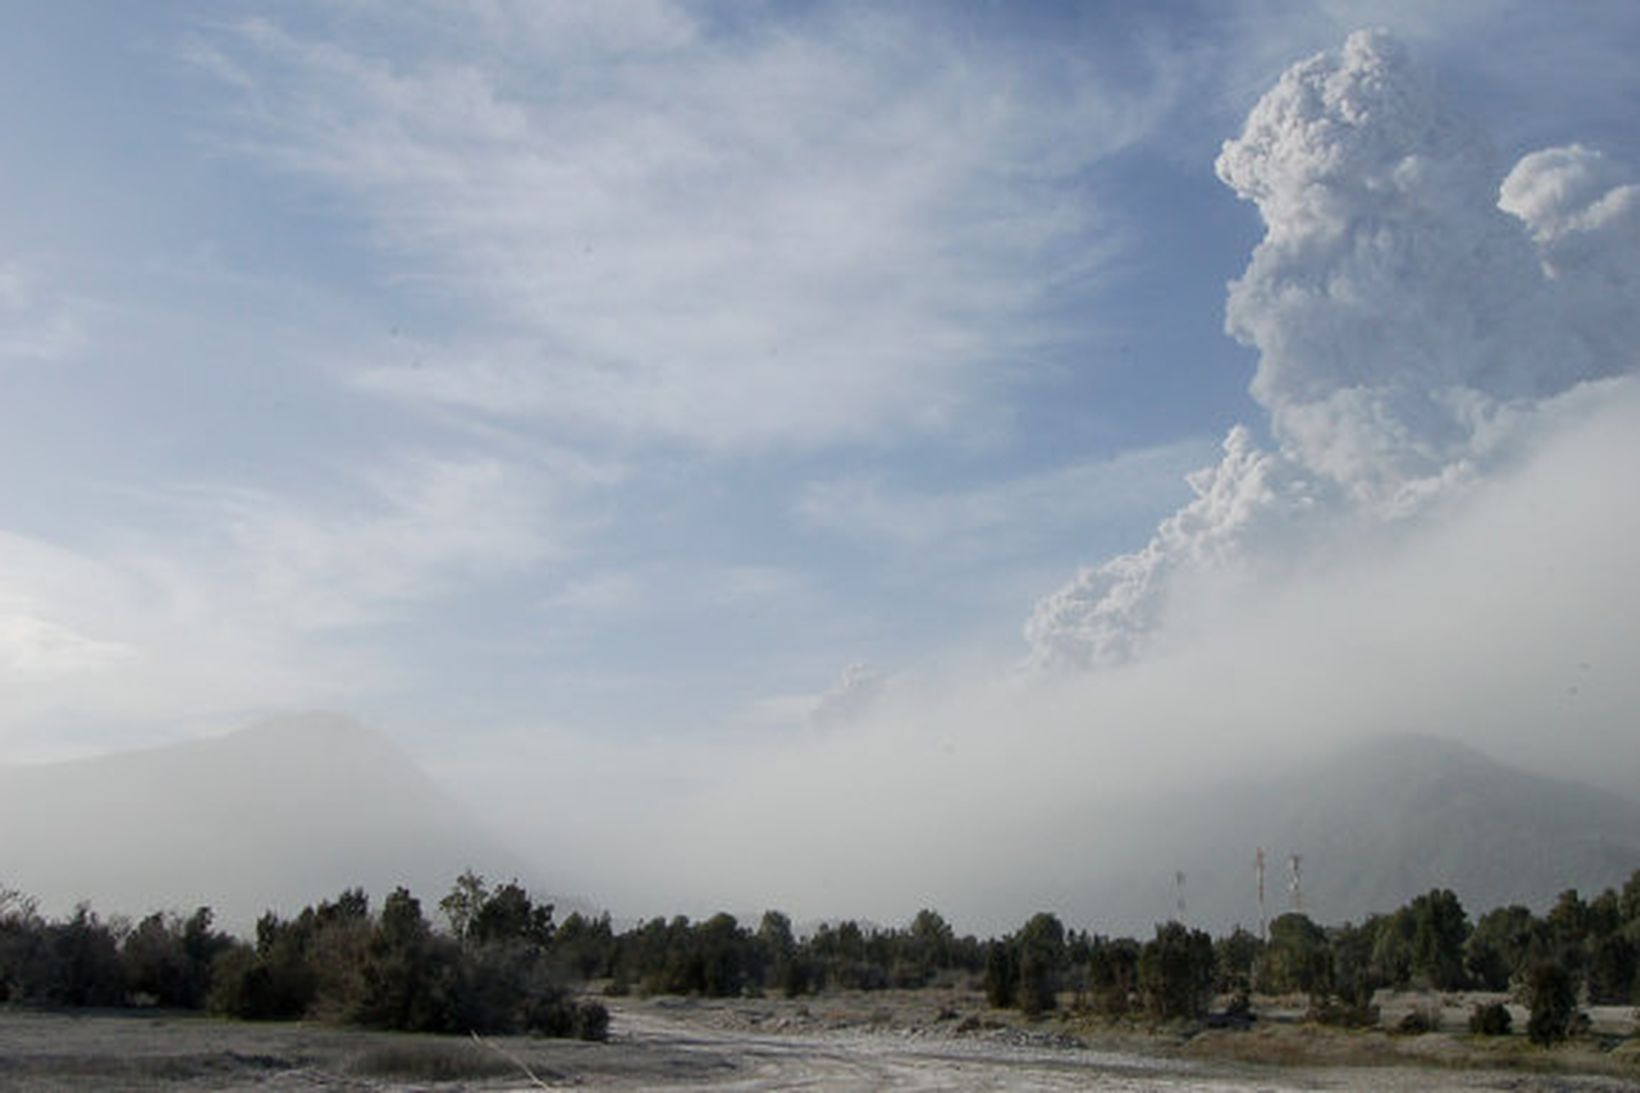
<point>1410,322</point>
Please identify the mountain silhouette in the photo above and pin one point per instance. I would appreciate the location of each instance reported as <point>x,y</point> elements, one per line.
<point>274,816</point>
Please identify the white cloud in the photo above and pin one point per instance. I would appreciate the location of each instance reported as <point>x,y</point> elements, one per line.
<point>238,601</point>
<point>37,648</point>
<point>765,236</point>
<point>1408,327</point>
<point>1254,508</point>
<point>1583,212</point>
<point>613,593</point>
<point>1003,517</point>
<point>402,535</point>
<point>860,688</point>
<point>37,324</point>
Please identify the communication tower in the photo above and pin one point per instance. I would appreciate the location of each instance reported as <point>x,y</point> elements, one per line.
<point>1263,916</point>
<point>1295,864</point>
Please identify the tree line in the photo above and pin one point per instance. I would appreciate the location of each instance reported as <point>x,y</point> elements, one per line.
<point>1579,950</point>
<point>500,963</point>
<point>491,970</point>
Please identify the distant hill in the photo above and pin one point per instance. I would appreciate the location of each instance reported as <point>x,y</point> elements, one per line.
<point>1378,823</point>
<point>274,816</point>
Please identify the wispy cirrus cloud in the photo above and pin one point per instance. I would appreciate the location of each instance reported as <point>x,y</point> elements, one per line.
<point>37,323</point>
<point>257,603</point>
<point>1006,517</point>
<point>416,526</point>
<point>649,226</point>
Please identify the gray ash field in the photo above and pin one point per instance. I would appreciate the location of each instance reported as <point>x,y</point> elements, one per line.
<point>832,1042</point>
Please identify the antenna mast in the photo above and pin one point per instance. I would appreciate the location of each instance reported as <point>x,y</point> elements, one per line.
<point>1263,916</point>
<point>1295,863</point>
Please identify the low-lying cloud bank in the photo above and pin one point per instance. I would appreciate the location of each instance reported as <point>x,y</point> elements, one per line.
<point>1439,540</point>
<point>1508,621</point>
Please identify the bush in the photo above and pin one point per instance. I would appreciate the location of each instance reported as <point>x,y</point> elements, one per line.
<point>591,1021</point>
<point>168,959</point>
<point>84,964</point>
<point>1040,953</point>
<point>1342,1014</point>
<point>1614,966</point>
<point>1001,975</point>
<point>1552,998</point>
<point>256,987</point>
<point>440,1061</point>
<point>1297,958</point>
<point>1490,1019</point>
<point>1422,1019</point>
<point>1176,972</point>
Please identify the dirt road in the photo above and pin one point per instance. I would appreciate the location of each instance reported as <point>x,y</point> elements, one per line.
<point>658,1044</point>
<point>901,1058</point>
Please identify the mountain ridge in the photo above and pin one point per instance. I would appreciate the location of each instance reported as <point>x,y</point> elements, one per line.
<point>1378,822</point>
<point>272,816</point>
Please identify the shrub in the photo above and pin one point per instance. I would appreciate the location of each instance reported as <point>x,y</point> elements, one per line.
<point>431,1062</point>
<point>1001,975</point>
<point>1421,1019</point>
<point>1040,952</point>
<point>1614,962</point>
<point>1342,1014</point>
<point>1490,1019</point>
<point>1176,972</point>
<point>591,1021</point>
<point>84,963</point>
<point>1297,958</point>
<point>168,959</point>
<point>1552,998</point>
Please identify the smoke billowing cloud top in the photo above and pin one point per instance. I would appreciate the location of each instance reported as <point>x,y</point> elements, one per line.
<point>1410,320</point>
<point>1430,533</point>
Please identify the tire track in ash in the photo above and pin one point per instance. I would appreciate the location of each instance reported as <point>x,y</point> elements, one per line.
<point>749,1060</point>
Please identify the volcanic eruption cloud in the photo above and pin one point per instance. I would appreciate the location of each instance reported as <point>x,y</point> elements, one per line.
<point>1437,535</point>
<point>1414,323</point>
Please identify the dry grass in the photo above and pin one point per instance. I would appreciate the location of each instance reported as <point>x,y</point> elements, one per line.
<point>143,1072</point>
<point>429,1061</point>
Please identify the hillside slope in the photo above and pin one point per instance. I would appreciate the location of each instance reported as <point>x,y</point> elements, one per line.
<point>273,816</point>
<point>1376,824</point>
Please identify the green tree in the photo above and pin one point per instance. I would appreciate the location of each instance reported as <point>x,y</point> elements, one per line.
<point>1001,974</point>
<point>1352,972</point>
<point>722,948</point>
<point>1176,972</point>
<point>1235,956</point>
<point>1552,999</point>
<point>1392,948</point>
<point>1613,963</point>
<point>777,954</point>
<point>508,914</point>
<point>1041,957</point>
<point>584,947</point>
<point>461,905</point>
<point>84,962</point>
<point>1113,973</point>
<point>409,974</point>
<point>928,946</point>
<point>1297,958</point>
<point>168,959</point>
<point>1628,902</point>
<point>1502,946</point>
<point>1440,928</point>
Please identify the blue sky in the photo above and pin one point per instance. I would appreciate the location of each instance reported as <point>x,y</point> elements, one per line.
<point>618,375</point>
